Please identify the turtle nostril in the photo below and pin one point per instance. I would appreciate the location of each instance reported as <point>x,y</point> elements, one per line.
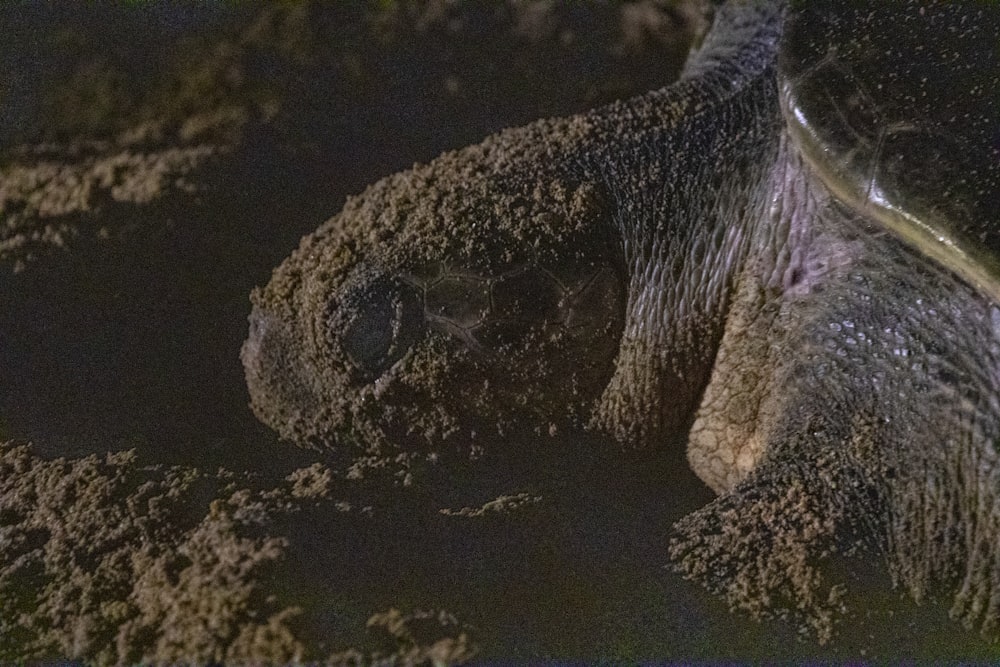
<point>252,353</point>
<point>387,319</point>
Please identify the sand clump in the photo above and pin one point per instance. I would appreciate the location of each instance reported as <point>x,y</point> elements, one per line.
<point>110,562</point>
<point>48,198</point>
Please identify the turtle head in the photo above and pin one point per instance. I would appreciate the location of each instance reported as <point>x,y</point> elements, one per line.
<point>443,303</point>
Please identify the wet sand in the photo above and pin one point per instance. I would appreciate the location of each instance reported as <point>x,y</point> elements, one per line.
<point>165,187</point>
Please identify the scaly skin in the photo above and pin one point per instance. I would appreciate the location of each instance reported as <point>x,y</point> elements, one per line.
<point>837,388</point>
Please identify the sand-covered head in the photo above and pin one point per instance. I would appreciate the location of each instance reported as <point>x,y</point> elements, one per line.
<point>570,271</point>
<point>477,292</point>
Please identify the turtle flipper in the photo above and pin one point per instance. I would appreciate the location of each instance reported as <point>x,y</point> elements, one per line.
<point>760,547</point>
<point>977,601</point>
<point>943,523</point>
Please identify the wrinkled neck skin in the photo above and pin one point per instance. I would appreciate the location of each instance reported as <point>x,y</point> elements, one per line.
<point>692,181</point>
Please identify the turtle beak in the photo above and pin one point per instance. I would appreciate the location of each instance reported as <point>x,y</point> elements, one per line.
<point>281,390</point>
<point>263,328</point>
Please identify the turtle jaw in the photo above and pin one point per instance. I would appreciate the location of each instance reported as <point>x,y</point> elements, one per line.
<point>281,389</point>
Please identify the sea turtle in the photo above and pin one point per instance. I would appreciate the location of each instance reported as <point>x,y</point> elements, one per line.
<point>789,255</point>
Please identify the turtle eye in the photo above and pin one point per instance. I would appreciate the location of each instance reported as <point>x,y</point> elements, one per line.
<point>384,320</point>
